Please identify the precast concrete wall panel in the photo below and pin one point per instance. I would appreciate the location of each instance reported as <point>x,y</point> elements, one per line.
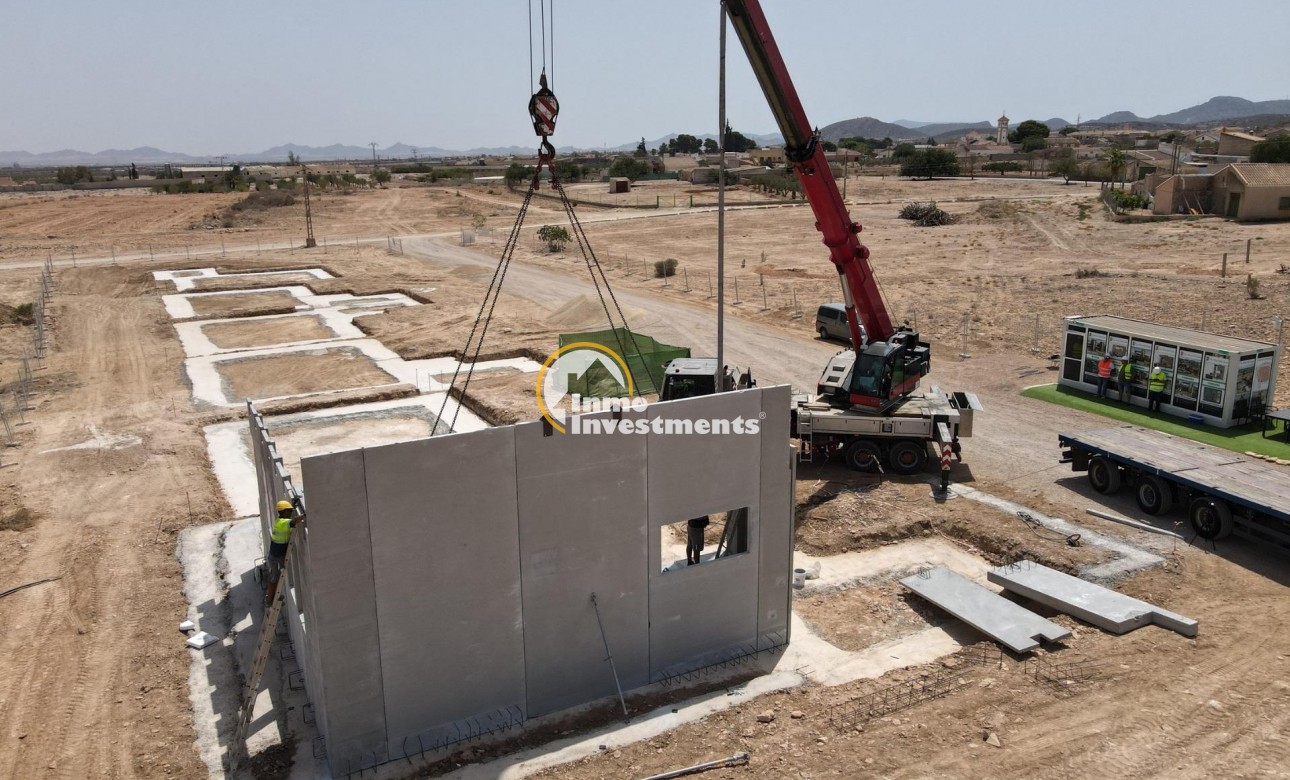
<point>344,616</point>
<point>445,549</point>
<point>582,529</point>
<point>701,614</point>
<point>446,584</point>
<point>775,554</point>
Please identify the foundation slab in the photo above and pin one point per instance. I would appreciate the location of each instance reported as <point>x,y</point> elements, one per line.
<point>1103,607</point>
<point>1013,626</point>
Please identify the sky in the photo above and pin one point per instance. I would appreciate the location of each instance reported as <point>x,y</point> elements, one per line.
<point>240,77</point>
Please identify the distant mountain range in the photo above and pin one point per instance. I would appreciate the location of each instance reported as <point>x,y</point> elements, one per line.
<point>1215,109</point>
<point>1212,111</point>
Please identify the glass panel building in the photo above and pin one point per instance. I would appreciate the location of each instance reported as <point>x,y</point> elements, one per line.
<point>1221,380</point>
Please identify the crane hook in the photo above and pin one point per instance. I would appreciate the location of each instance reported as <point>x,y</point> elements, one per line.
<point>543,109</point>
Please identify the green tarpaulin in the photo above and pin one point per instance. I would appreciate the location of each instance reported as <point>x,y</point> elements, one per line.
<point>645,358</point>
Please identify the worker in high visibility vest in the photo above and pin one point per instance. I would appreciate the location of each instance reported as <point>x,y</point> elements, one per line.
<point>1156,382</point>
<point>1126,380</point>
<point>1104,367</point>
<point>279,536</point>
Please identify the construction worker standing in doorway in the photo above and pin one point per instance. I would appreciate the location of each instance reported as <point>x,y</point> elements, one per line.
<point>1126,380</point>
<point>279,536</point>
<point>1156,388</point>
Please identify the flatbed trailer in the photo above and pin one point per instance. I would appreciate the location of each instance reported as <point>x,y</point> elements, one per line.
<point>1220,491</point>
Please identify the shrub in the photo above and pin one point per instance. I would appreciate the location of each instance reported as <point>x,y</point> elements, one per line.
<point>260,201</point>
<point>926,214</point>
<point>1252,287</point>
<point>1127,200</point>
<point>1088,273</point>
<point>554,236</point>
<point>664,268</point>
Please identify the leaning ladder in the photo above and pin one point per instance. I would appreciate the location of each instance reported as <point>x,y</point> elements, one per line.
<point>268,629</point>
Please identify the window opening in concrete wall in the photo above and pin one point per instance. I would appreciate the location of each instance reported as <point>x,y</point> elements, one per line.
<point>704,539</point>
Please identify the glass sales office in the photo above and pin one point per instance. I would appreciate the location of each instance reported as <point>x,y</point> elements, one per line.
<point>1222,379</point>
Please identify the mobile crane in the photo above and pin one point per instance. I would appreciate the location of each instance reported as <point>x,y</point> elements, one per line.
<point>865,404</point>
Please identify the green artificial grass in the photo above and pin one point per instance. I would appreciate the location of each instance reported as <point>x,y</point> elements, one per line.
<point>1242,438</point>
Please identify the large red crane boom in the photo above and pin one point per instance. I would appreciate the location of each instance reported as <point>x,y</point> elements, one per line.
<point>889,359</point>
<point>840,232</point>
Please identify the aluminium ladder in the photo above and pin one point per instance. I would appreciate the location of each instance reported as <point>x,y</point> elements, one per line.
<point>268,629</point>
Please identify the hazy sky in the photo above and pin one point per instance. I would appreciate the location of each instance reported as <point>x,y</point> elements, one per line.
<point>236,76</point>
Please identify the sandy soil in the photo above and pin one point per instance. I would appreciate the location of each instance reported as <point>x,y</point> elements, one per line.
<point>212,284</point>
<point>838,514</point>
<point>263,333</point>
<point>303,439</point>
<point>96,653</point>
<point>243,304</point>
<point>859,618</point>
<point>93,681</point>
<point>297,373</point>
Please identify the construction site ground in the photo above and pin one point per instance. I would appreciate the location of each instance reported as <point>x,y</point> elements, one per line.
<point>110,464</point>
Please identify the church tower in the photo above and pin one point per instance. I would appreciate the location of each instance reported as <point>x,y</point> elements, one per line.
<point>1001,136</point>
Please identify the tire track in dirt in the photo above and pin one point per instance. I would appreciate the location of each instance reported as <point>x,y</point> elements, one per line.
<point>99,691</point>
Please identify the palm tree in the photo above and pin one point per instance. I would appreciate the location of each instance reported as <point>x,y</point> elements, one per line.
<point>1116,164</point>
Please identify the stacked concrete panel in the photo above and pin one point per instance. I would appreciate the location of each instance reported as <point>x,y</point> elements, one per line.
<point>451,577</point>
<point>1105,608</point>
<point>1006,622</point>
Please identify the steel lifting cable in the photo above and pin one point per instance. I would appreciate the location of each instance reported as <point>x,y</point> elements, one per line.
<point>594,267</point>
<point>485,313</point>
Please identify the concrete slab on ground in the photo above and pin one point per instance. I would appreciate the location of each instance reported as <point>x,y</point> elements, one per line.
<point>1013,626</point>
<point>1103,607</point>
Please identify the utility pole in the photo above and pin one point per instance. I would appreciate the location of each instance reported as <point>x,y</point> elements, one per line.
<point>721,209</point>
<point>310,243</point>
<point>373,145</point>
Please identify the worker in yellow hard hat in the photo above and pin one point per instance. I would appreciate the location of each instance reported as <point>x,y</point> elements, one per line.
<point>279,536</point>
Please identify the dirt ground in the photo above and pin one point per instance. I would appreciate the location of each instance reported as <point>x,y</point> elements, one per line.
<point>241,335</point>
<point>243,304</point>
<point>93,680</point>
<point>276,375</point>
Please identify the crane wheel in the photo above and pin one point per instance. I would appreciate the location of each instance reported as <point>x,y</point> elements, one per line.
<point>1210,518</point>
<point>907,457</point>
<point>863,455</point>
<point>1155,497</point>
<point>1103,475</point>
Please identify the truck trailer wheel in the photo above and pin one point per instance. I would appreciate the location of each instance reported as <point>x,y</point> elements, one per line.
<point>1210,518</point>
<point>907,457</point>
<point>1154,495</point>
<point>863,455</point>
<point>1103,475</point>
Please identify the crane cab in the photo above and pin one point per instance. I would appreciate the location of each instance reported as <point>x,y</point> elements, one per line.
<point>880,376</point>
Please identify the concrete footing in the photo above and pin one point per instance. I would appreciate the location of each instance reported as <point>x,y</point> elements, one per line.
<point>1102,607</point>
<point>1013,626</point>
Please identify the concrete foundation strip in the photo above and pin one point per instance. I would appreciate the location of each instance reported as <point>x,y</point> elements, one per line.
<point>1102,607</point>
<point>1013,626</point>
